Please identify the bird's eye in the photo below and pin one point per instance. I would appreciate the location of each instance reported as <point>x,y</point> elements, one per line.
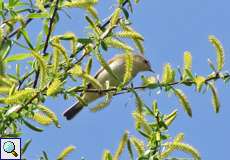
<point>146,61</point>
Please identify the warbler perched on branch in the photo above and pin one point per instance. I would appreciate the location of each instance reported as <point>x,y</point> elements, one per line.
<point>118,66</point>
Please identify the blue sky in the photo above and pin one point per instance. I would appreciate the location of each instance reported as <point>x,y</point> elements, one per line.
<point>169,28</point>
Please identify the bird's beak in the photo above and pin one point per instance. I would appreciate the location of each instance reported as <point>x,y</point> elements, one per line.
<point>151,70</point>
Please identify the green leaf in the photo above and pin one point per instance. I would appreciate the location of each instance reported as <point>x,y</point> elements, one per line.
<point>31,126</point>
<point>27,38</point>
<point>25,146</point>
<point>219,52</point>
<point>18,57</point>
<point>183,100</point>
<point>5,48</point>
<point>170,118</point>
<point>107,155</point>
<point>130,150</point>
<point>38,15</point>
<point>45,156</point>
<point>215,99</point>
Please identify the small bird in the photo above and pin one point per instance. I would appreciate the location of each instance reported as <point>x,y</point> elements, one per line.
<point>117,65</point>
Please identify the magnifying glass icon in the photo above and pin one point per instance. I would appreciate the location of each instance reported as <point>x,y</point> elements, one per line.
<point>9,147</point>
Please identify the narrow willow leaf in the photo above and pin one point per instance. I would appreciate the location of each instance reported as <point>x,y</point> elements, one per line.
<point>139,145</point>
<point>187,63</point>
<point>107,155</point>
<point>45,155</point>
<point>32,127</point>
<point>20,96</point>
<point>185,148</point>
<point>199,80</point>
<point>215,99</point>
<point>219,51</point>
<point>130,34</point>
<point>63,52</point>
<point>184,101</point>
<point>139,45</point>
<point>42,118</point>
<point>87,70</point>
<point>54,88</point>
<point>12,89</point>
<point>27,38</point>
<point>40,5</point>
<point>129,147</point>
<point>1,34</point>
<point>141,122</point>
<point>38,15</point>
<point>65,152</point>
<point>102,105</point>
<point>2,67</point>
<point>114,43</point>
<point>80,3</point>
<point>18,57</point>
<point>92,11</point>
<point>121,146</point>
<point>168,74</point>
<point>104,64</point>
<point>49,114</point>
<point>93,25</point>
<point>43,68</point>
<point>170,118</point>
<point>115,17</point>
<point>25,146</point>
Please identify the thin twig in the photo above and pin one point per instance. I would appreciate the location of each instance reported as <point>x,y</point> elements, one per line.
<point>51,22</point>
<point>47,40</point>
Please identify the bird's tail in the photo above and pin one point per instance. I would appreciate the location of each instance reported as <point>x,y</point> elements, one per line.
<point>73,110</point>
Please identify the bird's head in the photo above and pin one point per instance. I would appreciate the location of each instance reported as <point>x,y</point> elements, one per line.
<point>142,63</point>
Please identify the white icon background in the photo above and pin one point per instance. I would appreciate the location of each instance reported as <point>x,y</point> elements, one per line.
<point>9,156</point>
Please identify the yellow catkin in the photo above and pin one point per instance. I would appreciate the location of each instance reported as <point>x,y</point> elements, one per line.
<point>138,144</point>
<point>54,88</point>
<point>80,3</point>
<point>42,119</point>
<point>184,101</point>
<point>114,43</point>
<point>43,68</point>
<point>219,52</point>
<point>115,17</point>
<point>121,146</point>
<point>20,96</point>
<point>65,152</point>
